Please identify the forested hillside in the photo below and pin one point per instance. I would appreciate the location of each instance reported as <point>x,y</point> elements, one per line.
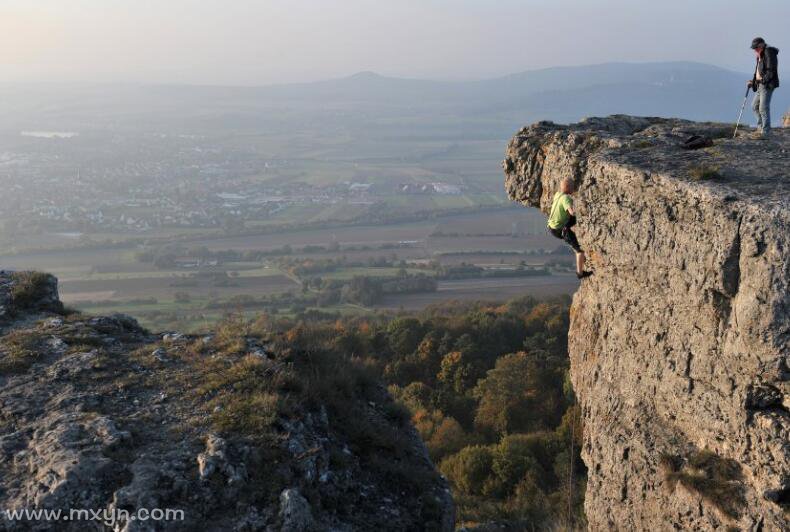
<point>487,387</point>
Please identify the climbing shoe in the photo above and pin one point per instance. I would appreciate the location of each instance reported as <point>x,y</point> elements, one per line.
<point>582,275</point>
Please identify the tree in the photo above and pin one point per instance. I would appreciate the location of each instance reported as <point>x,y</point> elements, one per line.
<point>448,437</point>
<point>364,290</point>
<point>416,396</point>
<point>529,504</point>
<point>519,395</point>
<point>405,335</point>
<point>428,357</point>
<point>456,373</point>
<point>469,469</point>
<point>520,454</point>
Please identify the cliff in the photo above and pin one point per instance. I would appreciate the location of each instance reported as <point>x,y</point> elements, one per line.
<point>679,342</point>
<point>239,430</point>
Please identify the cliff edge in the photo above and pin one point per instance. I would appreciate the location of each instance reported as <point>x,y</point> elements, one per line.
<point>679,342</point>
<point>107,426</point>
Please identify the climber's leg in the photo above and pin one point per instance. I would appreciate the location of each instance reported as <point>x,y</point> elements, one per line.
<point>570,237</point>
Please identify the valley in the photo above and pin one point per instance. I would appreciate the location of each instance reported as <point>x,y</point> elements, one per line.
<point>209,277</point>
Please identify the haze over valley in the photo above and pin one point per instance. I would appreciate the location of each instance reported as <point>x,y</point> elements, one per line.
<point>178,203</point>
<point>427,265</point>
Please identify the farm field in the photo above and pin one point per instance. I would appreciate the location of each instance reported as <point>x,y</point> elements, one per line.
<point>190,296</point>
<point>484,290</point>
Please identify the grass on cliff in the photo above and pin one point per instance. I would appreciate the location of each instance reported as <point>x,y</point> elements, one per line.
<point>704,173</point>
<point>641,144</point>
<point>29,289</point>
<point>247,391</point>
<point>718,480</point>
<point>19,350</point>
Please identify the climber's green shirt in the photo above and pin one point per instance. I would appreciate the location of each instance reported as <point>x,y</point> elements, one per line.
<point>559,210</point>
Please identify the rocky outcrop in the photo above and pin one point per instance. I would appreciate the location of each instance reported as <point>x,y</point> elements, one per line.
<point>26,292</point>
<point>221,432</point>
<point>679,341</point>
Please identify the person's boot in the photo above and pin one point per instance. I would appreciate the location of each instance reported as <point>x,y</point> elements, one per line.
<point>582,275</point>
<point>758,135</point>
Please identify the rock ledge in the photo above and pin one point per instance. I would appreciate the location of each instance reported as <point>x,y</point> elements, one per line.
<point>98,414</point>
<point>679,342</point>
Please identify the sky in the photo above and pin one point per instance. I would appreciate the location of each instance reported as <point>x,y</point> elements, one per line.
<point>258,42</point>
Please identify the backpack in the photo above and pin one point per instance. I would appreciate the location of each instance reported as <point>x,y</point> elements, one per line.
<point>773,60</point>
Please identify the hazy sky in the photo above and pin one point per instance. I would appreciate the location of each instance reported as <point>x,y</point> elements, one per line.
<point>264,41</point>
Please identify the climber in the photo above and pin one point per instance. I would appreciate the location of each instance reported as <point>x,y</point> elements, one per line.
<point>562,218</point>
<point>763,83</point>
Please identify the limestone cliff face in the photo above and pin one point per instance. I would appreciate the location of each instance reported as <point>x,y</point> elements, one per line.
<point>225,432</point>
<point>679,342</point>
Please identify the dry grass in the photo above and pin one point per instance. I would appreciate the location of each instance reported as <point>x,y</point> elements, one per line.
<point>245,393</point>
<point>251,414</point>
<point>704,173</point>
<point>19,350</point>
<point>29,289</point>
<point>641,144</point>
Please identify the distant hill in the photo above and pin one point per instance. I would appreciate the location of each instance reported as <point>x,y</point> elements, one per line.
<point>495,107</point>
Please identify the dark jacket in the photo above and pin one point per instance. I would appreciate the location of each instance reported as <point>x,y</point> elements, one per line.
<point>768,66</point>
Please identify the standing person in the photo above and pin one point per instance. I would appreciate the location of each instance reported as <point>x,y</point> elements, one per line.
<point>562,218</point>
<point>765,80</point>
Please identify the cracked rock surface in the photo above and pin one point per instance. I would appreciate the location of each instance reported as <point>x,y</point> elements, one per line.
<point>98,414</point>
<point>679,342</point>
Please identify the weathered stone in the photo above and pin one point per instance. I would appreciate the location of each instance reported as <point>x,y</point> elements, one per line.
<point>215,460</point>
<point>26,292</point>
<point>295,512</point>
<point>678,340</point>
<point>160,353</point>
<point>89,419</point>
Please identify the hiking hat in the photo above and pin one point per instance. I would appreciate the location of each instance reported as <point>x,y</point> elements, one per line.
<point>757,42</point>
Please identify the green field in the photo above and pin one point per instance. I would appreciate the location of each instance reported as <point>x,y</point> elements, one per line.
<point>106,280</point>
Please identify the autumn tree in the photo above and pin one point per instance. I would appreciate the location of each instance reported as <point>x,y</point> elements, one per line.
<point>519,395</point>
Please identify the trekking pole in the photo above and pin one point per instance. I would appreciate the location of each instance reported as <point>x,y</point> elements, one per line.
<point>740,115</point>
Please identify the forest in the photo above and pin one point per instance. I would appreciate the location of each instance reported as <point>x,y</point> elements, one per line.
<point>487,387</point>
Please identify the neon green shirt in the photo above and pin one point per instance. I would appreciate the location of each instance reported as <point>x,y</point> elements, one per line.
<point>559,210</point>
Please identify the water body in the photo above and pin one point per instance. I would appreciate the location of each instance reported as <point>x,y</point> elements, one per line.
<point>50,134</point>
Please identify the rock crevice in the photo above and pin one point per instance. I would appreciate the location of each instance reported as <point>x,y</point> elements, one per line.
<point>679,342</point>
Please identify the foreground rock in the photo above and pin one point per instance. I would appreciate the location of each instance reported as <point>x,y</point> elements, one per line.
<point>679,342</point>
<point>227,432</point>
